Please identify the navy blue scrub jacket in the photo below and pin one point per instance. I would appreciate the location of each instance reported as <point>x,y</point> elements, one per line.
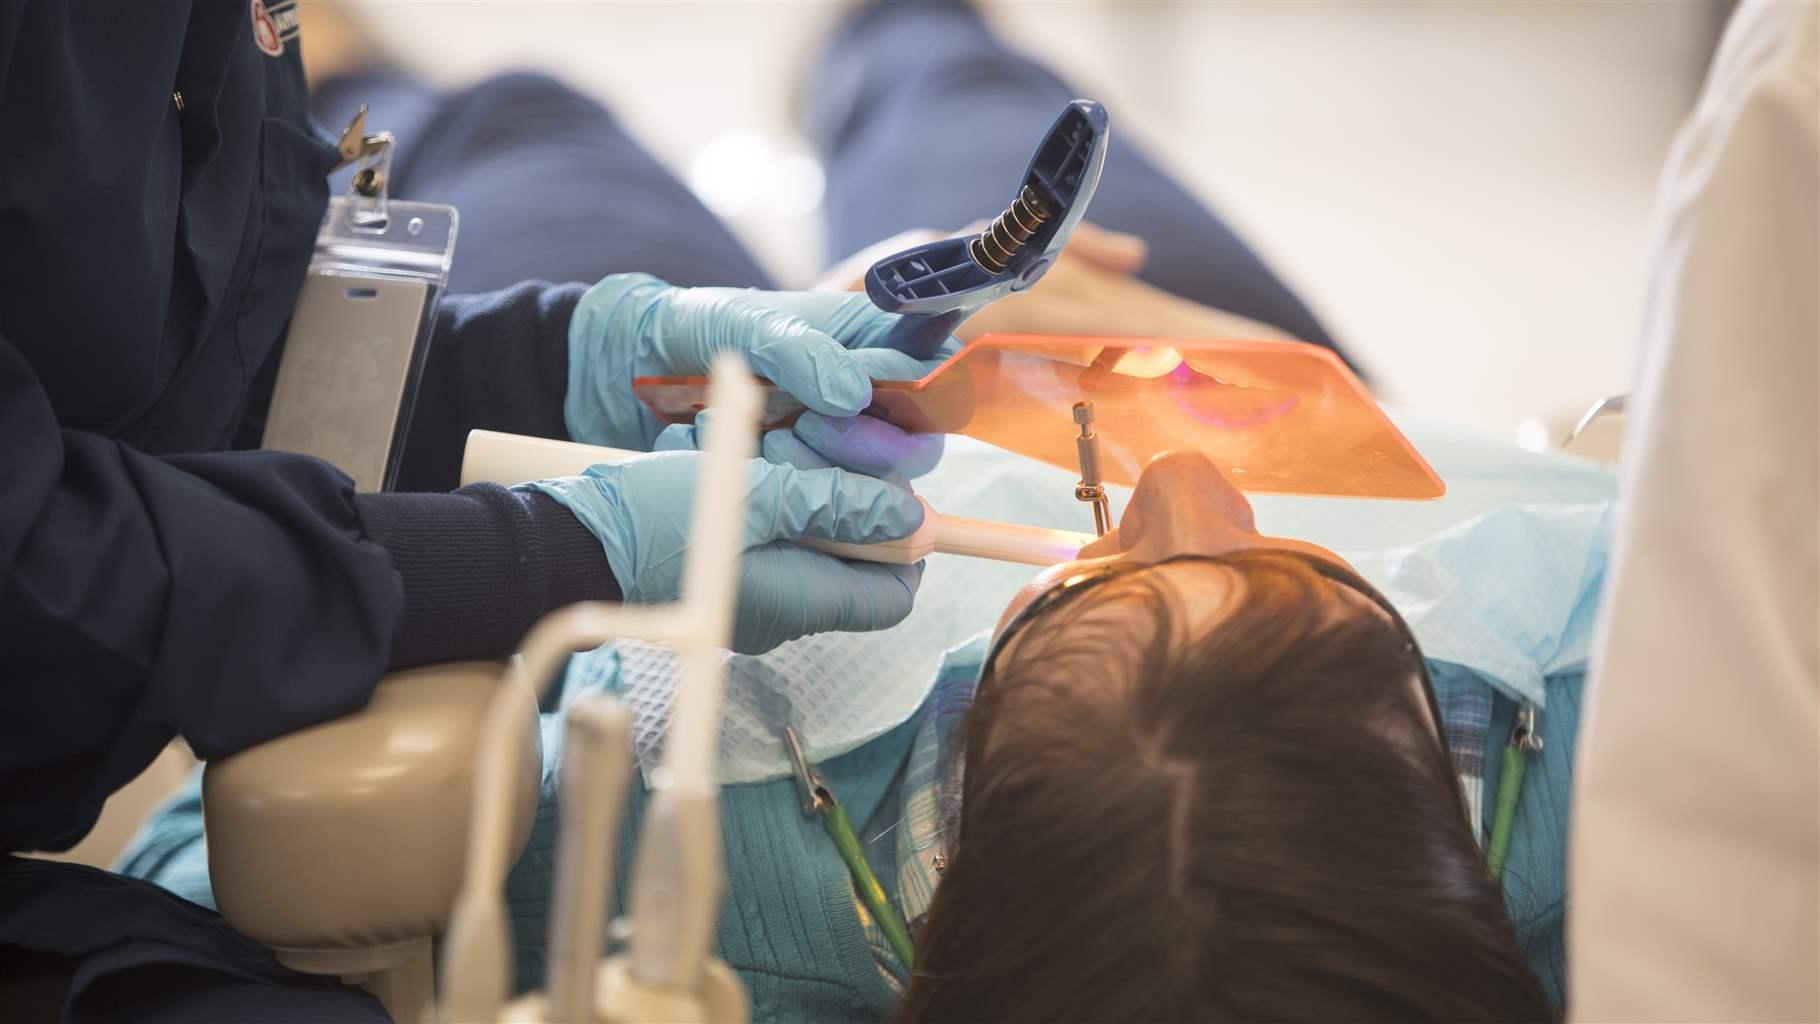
<point>157,583</point>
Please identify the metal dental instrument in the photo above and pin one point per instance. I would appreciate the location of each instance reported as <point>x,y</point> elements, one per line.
<point>1091,489</point>
<point>818,799</point>
<point>1604,407</point>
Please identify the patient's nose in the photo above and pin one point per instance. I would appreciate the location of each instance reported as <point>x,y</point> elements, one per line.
<point>1184,504</point>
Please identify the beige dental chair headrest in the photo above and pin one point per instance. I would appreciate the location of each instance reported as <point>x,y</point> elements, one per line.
<point>351,835</point>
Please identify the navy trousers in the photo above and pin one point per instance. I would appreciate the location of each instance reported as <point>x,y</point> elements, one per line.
<point>922,117</point>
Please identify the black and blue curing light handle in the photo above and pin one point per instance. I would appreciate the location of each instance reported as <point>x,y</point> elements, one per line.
<point>922,335</point>
<point>952,287</point>
<point>932,288</point>
<point>937,286</point>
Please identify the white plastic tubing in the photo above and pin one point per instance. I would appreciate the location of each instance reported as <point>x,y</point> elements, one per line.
<point>677,888</point>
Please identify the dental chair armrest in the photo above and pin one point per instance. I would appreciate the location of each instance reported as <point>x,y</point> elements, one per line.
<point>342,846</point>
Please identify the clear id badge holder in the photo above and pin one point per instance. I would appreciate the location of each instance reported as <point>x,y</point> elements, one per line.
<point>361,328</point>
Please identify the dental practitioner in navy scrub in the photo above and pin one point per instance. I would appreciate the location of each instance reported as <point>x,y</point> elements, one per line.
<point>161,185</point>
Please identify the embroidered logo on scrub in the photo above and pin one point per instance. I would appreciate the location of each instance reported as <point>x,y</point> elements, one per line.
<point>273,25</point>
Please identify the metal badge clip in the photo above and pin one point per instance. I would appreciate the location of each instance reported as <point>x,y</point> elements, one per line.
<point>372,178</point>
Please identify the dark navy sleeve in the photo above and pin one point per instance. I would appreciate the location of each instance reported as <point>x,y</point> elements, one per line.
<point>497,361</point>
<point>480,566</point>
<point>227,598</point>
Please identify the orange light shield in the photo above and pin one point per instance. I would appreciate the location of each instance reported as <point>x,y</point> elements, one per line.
<point>1278,417</point>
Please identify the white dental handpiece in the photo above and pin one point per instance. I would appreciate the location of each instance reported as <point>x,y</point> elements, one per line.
<point>514,459</point>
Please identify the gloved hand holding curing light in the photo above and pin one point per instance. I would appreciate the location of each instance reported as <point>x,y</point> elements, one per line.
<point>639,509</point>
<point>823,348</point>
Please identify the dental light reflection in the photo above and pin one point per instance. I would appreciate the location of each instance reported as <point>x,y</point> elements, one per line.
<point>746,172</point>
<point>1532,434</point>
<point>1148,362</point>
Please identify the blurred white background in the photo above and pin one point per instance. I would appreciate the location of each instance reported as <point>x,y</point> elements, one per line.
<point>1461,190</point>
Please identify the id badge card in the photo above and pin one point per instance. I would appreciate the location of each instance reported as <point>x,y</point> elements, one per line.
<point>359,336</point>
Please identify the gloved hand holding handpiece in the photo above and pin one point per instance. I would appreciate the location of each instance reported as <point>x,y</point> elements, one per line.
<point>819,347</point>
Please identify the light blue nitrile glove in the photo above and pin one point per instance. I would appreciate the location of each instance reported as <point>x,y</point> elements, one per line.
<point>639,509</point>
<point>824,348</point>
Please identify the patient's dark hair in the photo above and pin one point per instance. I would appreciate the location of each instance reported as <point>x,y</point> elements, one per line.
<point>1254,823</point>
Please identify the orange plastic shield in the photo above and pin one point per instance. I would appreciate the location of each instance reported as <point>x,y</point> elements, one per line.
<point>1278,417</point>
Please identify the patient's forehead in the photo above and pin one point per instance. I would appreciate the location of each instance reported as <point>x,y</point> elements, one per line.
<point>1188,597</point>
<point>1171,602</point>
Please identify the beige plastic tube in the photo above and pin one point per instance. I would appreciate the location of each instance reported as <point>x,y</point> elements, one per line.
<point>669,971</point>
<point>595,768</point>
<point>515,459</point>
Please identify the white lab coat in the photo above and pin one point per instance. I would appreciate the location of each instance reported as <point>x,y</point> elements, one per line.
<point>1695,859</point>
